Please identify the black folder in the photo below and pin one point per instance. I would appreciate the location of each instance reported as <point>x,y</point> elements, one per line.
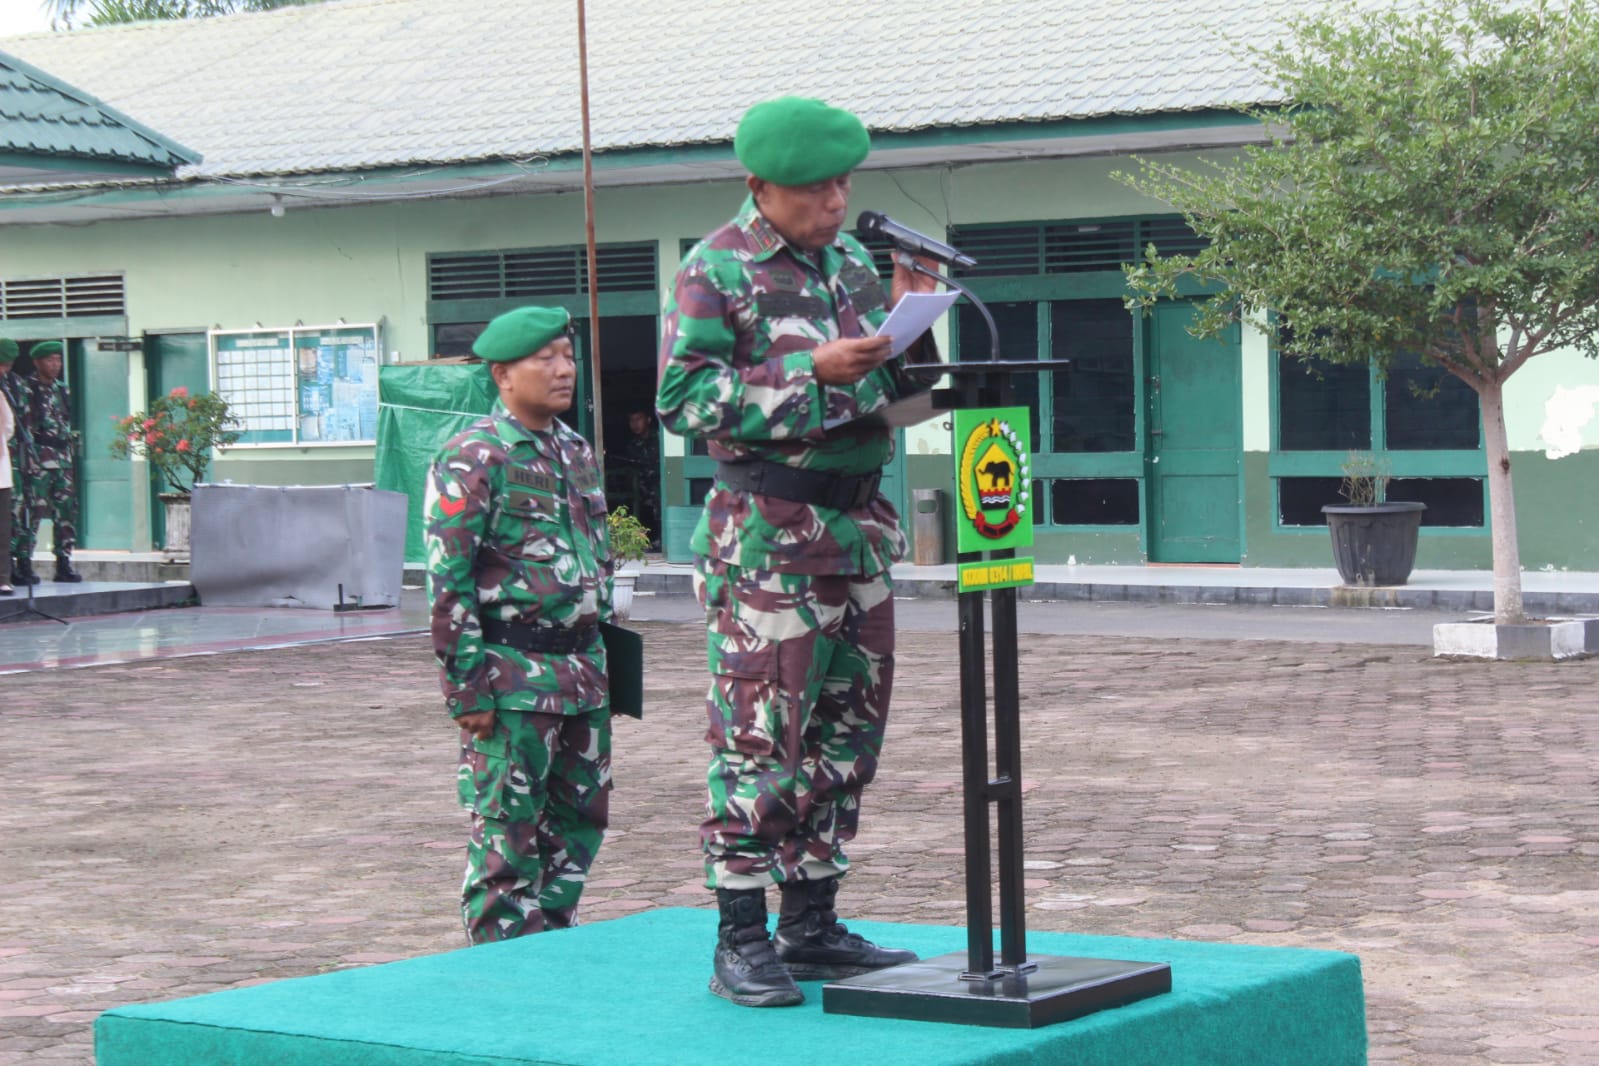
<point>624,669</point>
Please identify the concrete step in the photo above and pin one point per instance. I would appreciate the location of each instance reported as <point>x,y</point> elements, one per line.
<point>53,599</point>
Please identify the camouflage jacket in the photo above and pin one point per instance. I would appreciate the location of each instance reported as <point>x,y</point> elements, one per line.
<point>516,532</point>
<point>15,390</point>
<point>746,312</point>
<point>50,423</point>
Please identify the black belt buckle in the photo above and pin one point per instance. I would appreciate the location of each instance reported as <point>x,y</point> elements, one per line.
<point>868,490</point>
<point>851,493</point>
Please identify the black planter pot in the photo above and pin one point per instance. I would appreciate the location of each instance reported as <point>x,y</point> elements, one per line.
<point>1374,545</point>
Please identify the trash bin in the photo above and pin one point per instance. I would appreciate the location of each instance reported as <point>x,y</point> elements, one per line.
<point>927,527</point>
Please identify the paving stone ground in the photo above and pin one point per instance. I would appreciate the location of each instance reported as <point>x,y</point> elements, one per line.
<point>189,825</point>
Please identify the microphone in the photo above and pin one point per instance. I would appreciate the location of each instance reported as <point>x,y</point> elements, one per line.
<point>906,239</point>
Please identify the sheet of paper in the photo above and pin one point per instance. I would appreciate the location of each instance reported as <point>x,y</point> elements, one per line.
<point>913,314</point>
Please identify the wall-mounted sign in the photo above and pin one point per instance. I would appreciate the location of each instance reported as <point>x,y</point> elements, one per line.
<point>118,344</point>
<point>300,384</point>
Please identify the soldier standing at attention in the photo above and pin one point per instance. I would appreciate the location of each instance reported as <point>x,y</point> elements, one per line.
<point>55,442</point>
<point>769,350</point>
<point>16,392</point>
<point>18,541</point>
<point>8,431</point>
<point>519,576</point>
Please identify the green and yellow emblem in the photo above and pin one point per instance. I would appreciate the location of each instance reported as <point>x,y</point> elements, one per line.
<point>994,479</point>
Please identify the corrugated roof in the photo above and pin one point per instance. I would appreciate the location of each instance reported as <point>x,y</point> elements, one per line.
<point>42,116</point>
<point>356,84</point>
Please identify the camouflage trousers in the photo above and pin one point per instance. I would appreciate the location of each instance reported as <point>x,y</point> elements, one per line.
<point>802,667</point>
<point>22,538</point>
<point>55,497</point>
<point>539,792</point>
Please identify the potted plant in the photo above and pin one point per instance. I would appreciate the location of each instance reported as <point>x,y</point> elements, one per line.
<point>630,539</point>
<point>176,436</point>
<point>1373,538</point>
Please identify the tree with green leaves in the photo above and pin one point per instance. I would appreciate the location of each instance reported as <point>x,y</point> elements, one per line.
<point>65,14</point>
<point>1429,185</point>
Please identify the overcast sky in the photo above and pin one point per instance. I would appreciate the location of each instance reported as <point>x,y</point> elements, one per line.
<point>22,16</point>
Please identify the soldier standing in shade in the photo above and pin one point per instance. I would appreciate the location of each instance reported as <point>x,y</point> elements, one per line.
<point>770,348</point>
<point>519,578</point>
<point>19,541</point>
<point>55,443</point>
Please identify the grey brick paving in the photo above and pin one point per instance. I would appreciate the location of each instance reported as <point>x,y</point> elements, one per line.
<point>187,825</point>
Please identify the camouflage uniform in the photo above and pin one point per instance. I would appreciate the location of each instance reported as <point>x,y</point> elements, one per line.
<point>16,393</point>
<point>798,600</point>
<point>52,488</point>
<point>516,533</point>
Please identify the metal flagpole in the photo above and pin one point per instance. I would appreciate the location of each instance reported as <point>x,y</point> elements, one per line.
<point>588,220</point>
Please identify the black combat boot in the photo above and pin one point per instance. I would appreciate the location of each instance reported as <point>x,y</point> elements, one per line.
<point>747,969</point>
<point>815,946</point>
<point>22,571</point>
<point>64,571</point>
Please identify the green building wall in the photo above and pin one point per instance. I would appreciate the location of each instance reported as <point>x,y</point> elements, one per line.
<point>365,263</point>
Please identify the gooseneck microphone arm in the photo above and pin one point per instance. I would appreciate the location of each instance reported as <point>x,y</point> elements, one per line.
<point>908,261</point>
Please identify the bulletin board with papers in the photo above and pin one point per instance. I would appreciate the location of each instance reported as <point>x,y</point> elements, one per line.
<point>300,384</point>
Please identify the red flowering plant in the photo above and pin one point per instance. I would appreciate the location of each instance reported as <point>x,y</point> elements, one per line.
<point>176,436</point>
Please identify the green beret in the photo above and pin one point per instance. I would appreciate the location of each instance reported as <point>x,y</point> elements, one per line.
<point>39,351</point>
<point>521,332</point>
<point>8,350</point>
<point>795,141</point>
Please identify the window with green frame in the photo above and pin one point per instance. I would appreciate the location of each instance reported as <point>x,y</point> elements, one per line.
<point>1055,290</point>
<point>1420,420</point>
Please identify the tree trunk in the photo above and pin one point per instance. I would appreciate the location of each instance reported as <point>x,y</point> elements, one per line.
<point>1501,507</point>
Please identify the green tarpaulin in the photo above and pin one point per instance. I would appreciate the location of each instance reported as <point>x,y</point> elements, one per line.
<point>419,408</point>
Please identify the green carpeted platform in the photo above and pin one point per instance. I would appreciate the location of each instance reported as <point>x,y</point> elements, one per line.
<point>632,991</point>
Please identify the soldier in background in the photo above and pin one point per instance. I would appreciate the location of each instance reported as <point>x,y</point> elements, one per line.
<point>518,578</point>
<point>8,446</point>
<point>769,350</point>
<point>641,455</point>
<point>53,486</point>
<point>19,541</point>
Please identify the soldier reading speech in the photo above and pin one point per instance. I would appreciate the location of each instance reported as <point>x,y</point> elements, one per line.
<point>519,576</point>
<point>770,349</point>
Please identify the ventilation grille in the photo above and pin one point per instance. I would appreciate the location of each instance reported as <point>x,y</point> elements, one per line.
<point>1070,247</point>
<point>83,297</point>
<point>541,272</point>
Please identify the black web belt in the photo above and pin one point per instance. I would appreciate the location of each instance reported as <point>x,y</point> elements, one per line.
<point>841,492</point>
<point>546,640</point>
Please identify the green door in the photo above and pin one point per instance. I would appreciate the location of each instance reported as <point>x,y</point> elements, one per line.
<point>581,415</point>
<point>99,383</point>
<point>1195,448</point>
<point>171,360</point>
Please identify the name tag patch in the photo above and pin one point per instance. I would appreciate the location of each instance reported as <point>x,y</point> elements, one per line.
<point>537,482</point>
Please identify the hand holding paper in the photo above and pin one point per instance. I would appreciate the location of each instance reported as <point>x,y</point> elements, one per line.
<point>912,316</point>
